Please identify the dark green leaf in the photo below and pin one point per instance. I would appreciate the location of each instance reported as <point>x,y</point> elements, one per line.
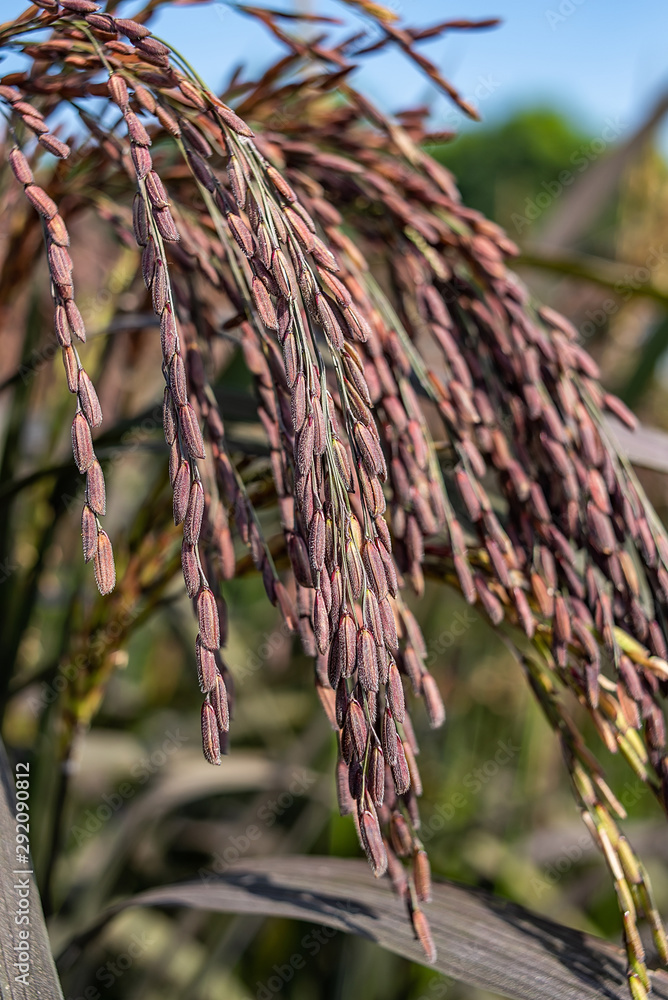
<point>481,939</point>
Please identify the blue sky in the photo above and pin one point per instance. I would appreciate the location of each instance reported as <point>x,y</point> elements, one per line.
<point>595,59</point>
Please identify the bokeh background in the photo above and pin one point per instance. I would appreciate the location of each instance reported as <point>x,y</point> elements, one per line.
<point>570,158</point>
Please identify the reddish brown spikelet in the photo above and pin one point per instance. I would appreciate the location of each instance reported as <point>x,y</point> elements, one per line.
<point>343,464</point>
<point>140,220</point>
<point>344,798</point>
<point>101,22</point>
<point>199,167</point>
<point>192,93</point>
<point>80,6</point>
<point>103,561</point>
<point>389,625</point>
<point>372,840</point>
<point>400,835</point>
<point>62,327</point>
<point>153,47</point>
<point>298,402</point>
<point>141,158</point>
<point>375,569</point>
<point>181,487</point>
<point>433,701</point>
<point>305,446</point>
<point>190,429</point>
<point>290,359</point>
<point>168,417</point>
<point>95,490</point>
<point>209,622</point>
<point>377,776</point>
<point>562,622</point>
<point>317,541</point>
<point>60,264</point>
<point>159,295</point>
<point>423,934</point>
<point>20,166</point>
<point>356,723</point>
<point>210,737</point>
<point>465,577</point>
<point>299,559</point>
<point>168,333</point>
<point>220,704</point>
<point>190,569</point>
<point>88,532</point>
<point>320,622</point>
<point>35,124</point>
<point>395,693</point>
<point>397,874</point>
<point>71,368</point>
<point>620,410</point>
<point>166,225</point>
<point>40,200</point>
<point>167,121</point>
<point>370,450</point>
<point>207,669</point>
<point>131,29</point>
<point>138,134</point>
<point>347,638</point>
<point>232,120</point>
<point>600,530</point>
<point>241,234</point>
<point>389,737</point>
<point>74,317</point>
<point>193,519</point>
<point>56,231</point>
<point>264,305</point>
<point>334,665</point>
<point>354,567</point>
<point>400,771</point>
<point>422,876</point>
<point>54,145</point>
<point>468,494</point>
<point>371,615</point>
<point>367,660</point>
<point>90,404</point>
<point>82,443</point>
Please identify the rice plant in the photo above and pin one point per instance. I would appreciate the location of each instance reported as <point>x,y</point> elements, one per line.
<point>421,415</point>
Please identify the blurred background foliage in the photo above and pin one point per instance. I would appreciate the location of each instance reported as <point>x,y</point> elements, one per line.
<point>134,805</point>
